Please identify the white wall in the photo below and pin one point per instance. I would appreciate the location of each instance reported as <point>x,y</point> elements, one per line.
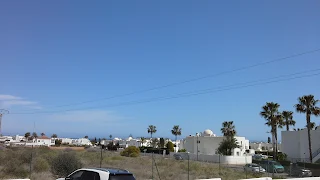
<point>208,145</point>
<point>295,143</point>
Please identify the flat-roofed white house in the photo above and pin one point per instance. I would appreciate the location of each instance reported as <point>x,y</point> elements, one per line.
<point>295,145</point>
<point>82,142</point>
<point>263,146</point>
<point>207,143</point>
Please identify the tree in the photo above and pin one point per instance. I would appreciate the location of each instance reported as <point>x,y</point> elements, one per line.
<point>176,131</point>
<point>170,146</point>
<point>34,135</point>
<point>308,105</point>
<point>312,125</point>
<point>152,129</point>
<point>143,140</point>
<point>110,136</point>
<point>269,140</point>
<point>86,136</point>
<point>226,146</point>
<point>270,112</point>
<point>99,143</point>
<point>154,142</point>
<point>58,142</point>
<point>54,136</point>
<point>161,143</point>
<point>288,119</point>
<point>229,142</point>
<point>42,134</point>
<point>228,129</point>
<point>27,135</point>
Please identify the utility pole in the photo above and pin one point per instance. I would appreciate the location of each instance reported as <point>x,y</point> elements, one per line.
<point>2,112</point>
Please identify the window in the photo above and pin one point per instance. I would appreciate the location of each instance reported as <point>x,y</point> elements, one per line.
<point>76,175</point>
<point>90,175</point>
<point>121,177</point>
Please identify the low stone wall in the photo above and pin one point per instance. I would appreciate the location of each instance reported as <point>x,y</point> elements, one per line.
<point>234,160</point>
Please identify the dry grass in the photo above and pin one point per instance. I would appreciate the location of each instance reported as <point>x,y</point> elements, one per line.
<point>141,166</point>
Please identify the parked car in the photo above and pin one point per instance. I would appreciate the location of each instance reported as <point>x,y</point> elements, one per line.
<point>272,166</point>
<point>297,171</point>
<point>178,157</point>
<point>259,157</point>
<point>99,174</point>
<point>254,168</point>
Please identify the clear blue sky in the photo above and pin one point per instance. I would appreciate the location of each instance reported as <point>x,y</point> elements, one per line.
<point>61,52</point>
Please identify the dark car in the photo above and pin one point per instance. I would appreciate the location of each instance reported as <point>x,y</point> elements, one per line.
<point>178,157</point>
<point>297,171</point>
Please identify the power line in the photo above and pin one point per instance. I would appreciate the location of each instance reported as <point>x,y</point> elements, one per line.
<point>193,79</point>
<point>200,92</point>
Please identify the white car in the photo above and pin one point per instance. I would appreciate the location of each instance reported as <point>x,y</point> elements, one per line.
<point>100,174</point>
<point>254,168</point>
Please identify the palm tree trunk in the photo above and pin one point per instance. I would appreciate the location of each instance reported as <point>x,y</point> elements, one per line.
<point>276,137</point>
<point>273,140</point>
<point>287,124</point>
<point>309,137</point>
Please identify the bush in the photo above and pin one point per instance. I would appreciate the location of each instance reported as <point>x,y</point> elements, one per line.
<point>64,164</point>
<point>41,165</point>
<point>170,147</point>
<point>131,151</point>
<point>13,168</point>
<point>282,157</point>
<point>182,150</point>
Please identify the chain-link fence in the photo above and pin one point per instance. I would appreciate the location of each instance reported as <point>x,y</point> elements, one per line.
<point>51,163</point>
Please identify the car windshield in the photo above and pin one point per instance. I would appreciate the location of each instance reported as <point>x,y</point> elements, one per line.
<point>122,177</point>
<point>276,163</point>
<point>255,165</point>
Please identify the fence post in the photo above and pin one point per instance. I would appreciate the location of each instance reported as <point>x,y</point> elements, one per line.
<point>219,164</point>
<point>31,161</point>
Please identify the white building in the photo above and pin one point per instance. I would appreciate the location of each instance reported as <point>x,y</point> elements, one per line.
<point>207,143</point>
<point>82,142</point>
<point>44,141</point>
<point>263,146</point>
<point>295,144</point>
<point>66,140</point>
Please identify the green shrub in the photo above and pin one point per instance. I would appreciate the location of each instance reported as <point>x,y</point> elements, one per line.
<point>64,164</point>
<point>13,168</point>
<point>131,151</point>
<point>170,146</point>
<point>182,150</point>
<point>282,157</point>
<point>134,155</point>
<point>40,165</point>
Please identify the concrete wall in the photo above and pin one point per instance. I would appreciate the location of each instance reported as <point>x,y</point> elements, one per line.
<point>295,143</point>
<point>215,158</point>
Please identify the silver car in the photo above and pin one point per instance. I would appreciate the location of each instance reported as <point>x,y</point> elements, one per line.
<point>254,168</point>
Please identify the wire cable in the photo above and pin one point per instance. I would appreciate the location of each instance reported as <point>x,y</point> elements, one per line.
<point>198,92</point>
<point>193,79</point>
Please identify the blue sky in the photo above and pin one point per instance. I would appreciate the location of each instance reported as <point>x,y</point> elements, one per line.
<point>64,52</point>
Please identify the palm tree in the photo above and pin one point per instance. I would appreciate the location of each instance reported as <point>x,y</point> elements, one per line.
<point>110,136</point>
<point>43,134</point>
<point>34,135</point>
<point>270,112</point>
<point>176,131</point>
<point>152,129</point>
<point>228,129</point>
<point>27,134</point>
<point>143,140</point>
<point>312,125</point>
<point>308,105</point>
<point>54,136</point>
<point>288,119</point>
